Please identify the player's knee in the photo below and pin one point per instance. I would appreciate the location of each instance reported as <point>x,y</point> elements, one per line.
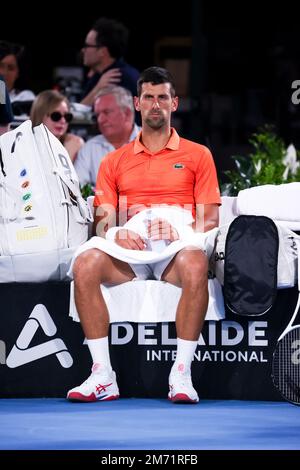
<point>88,265</point>
<point>194,267</point>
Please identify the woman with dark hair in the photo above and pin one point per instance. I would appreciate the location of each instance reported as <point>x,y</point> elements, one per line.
<point>53,109</point>
<point>12,60</point>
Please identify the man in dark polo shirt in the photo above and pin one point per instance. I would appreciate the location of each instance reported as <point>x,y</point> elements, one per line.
<point>103,53</point>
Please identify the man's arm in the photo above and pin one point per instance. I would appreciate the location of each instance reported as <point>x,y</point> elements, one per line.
<point>207,217</point>
<point>111,77</point>
<point>104,218</point>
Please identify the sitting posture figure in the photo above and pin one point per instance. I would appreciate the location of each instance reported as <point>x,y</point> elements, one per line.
<point>157,168</point>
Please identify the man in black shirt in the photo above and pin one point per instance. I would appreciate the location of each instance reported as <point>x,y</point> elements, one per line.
<point>103,52</point>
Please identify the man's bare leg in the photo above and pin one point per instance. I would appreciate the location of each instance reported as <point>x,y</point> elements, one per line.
<point>92,268</point>
<point>187,270</point>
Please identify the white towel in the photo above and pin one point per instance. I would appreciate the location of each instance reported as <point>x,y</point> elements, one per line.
<point>279,202</point>
<point>142,257</point>
<point>150,302</point>
<point>179,218</point>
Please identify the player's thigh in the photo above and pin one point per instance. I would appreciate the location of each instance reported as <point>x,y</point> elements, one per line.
<point>96,266</point>
<point>189,262</point>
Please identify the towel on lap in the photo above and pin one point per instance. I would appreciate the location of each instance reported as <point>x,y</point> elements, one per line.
<point>179,218</point>
<point>151,301</point>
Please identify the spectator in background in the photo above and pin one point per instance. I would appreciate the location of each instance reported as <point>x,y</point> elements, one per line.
<point>12,63</point>
<point>53,109</point>
<point>115,118</point>
<point>6,115</point>
<point>103,53</point>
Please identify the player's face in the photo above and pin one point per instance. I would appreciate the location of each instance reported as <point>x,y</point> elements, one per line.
<point>156,104</point>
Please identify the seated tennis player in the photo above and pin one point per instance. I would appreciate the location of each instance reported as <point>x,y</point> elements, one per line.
<point>157,168</point>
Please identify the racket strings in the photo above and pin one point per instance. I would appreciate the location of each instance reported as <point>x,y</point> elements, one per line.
<point>286,366</point>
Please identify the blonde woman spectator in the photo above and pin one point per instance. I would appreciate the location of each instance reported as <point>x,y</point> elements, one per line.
<point>52,109</point>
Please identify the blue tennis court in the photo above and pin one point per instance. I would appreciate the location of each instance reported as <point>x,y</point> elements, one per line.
<point>129,424</point>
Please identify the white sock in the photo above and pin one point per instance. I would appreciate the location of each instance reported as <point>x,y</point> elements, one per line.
<point>184,356</point>
<point>99,351</point>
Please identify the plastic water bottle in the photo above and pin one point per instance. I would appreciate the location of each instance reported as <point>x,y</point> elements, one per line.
<point>154,245</point>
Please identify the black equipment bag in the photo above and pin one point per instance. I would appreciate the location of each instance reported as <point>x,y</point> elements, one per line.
<point>250,270</point>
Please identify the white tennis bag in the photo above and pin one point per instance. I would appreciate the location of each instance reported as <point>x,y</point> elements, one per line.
<point>43,217</point>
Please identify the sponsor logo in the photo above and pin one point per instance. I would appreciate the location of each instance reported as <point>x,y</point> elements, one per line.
<point>18,136</point>
<point>22,353</point>
<point>225,334</point>
<point>178,166</point>
<point>65,164</point>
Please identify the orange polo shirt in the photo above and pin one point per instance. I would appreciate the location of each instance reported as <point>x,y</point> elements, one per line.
<point>132,178</point>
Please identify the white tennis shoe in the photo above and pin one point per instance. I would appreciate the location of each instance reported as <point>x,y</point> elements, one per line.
<point>101,385</point>
<point>181,387</point>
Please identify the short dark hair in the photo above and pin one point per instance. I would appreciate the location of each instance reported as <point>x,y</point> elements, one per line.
<point>156,76</point>
<point>113,35</point>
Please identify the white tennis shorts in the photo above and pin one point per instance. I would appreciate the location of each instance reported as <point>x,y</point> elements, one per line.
<point>151,271</point>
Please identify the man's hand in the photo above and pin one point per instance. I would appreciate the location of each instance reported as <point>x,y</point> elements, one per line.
<point>130,240</point>
<point>160,229</point>
<point>111,77</point>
